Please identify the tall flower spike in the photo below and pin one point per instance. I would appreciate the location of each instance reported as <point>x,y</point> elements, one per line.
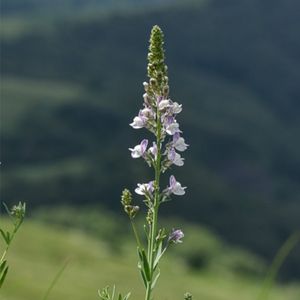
<point>158,116</point>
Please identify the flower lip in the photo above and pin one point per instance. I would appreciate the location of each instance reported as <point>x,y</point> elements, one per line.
<point>175,187</point>
<point>179,142</point>
<point>144,188</point>
<point>163,104</point>
<point>137,123</point>
<point>139,150</point>
<point>175,158</point>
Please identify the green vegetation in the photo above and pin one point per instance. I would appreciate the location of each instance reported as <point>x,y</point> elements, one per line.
<point>69,86</point>
<point>41,249</point>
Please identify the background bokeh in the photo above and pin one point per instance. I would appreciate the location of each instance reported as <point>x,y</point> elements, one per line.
<point>71,82</point>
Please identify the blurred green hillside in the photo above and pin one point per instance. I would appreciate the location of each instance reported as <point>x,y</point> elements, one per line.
<point>70,85</point>
<point>100,252</point>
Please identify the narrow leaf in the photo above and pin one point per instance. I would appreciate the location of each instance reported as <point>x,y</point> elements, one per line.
<point>127,296</point>
<point>3,276</point>
<point>6,236</point>
<point>2,266</point>
<point>155,280</point>
<point>144,278</point>
<point>146,266</point>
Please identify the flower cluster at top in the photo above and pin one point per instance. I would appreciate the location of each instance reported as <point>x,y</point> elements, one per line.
<point>158,115</point>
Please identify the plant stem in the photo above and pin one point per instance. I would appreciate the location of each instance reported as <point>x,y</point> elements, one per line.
<point>153,229</point>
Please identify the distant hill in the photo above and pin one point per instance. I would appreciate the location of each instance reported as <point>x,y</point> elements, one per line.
<point>69,91</point>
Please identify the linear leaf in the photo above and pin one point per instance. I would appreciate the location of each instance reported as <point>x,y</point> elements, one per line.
<point>146,266</point>
<point>144,278</point>
<point>127,296</point>
<point>2,266</point>
<point>155,280</point>
<point>3,276</point>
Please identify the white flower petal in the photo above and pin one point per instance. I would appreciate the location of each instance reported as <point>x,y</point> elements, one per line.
<point>176,108</point>
<point>140,190</point>
<point>178,189</point>
<point>172,128</point>
<point>137,123</point>
<point>163,104</point>
<point>136,152</point>
<point>180,145</point>
<point>178,160</point>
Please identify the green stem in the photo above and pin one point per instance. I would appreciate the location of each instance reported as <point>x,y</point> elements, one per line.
<point>153,229</point>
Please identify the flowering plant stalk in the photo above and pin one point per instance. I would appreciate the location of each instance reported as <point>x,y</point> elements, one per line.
<point>158,116</point>
<point>16,214</point>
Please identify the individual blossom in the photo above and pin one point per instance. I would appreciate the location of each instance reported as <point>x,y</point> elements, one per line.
<point>175,108</point>
<point>163,104</point>
<point>139,150</point>
<point>176,236</point>
<point>171,126</point>
<point>144,188</point>
<point>175,158</point>
<point>179,143</point>
<point>175,187</point>
<point>138,122</point>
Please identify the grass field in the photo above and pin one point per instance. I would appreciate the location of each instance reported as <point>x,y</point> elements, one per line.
<point>40,250</point>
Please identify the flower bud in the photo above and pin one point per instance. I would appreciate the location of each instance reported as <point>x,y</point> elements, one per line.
<point>126,197</point>
<point>166,90</point>
<point>149,217</point>
<point>153,82</point>
<point>131,210</point>
<point>150,56</point>
<point>159,75</point>
<point>146,86</point>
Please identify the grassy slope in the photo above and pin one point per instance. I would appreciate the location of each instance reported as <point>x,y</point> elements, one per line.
<point>39,251</point>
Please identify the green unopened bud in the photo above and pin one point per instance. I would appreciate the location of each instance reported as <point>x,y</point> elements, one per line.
<point>149,217</point>
<point>126,197</point>
<point>166,90</point>
<point>146,86</point>
<point>153,82</point>
<point>159,76</point>
<point>131,210</point>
